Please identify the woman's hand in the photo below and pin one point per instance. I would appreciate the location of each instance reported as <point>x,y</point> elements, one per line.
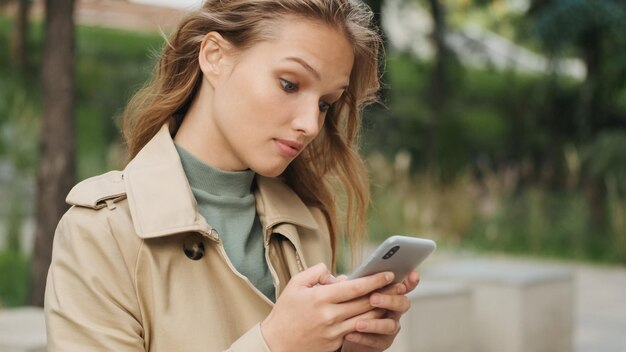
<point>313,315</point>
<point>377,328</point>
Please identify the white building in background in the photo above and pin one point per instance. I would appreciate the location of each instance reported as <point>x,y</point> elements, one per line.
<point>409,27</point>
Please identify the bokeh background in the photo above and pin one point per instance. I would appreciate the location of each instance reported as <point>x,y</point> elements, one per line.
<point>502,127</point>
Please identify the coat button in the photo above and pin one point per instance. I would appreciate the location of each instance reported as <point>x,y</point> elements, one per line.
<point>193,247</point>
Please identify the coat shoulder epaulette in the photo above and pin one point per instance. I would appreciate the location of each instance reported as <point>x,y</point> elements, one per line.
<point>99,191</point>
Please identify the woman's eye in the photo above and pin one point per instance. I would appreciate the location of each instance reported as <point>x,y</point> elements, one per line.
<point>288,86</point>
<point>324,106</point>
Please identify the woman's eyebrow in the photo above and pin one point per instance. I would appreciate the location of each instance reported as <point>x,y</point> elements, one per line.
<point>305,65</point>
<point>309,68</point>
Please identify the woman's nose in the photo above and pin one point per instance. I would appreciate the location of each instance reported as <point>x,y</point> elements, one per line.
<point>309,120</point>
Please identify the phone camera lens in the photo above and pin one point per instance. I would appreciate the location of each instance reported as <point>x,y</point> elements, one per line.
<point>391,252</point>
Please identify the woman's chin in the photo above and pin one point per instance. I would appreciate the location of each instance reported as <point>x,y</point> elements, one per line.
<point>270,170</point>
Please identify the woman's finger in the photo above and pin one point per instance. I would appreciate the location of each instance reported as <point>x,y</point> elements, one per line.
<point>356,307</point>
<point>412,281</point>
<point>342,278</point>
<point>376,313</point>
<point>393,315</point>
<point>407,285</point>
<point>378,326</point>
<point>350,289</point>
<point>374,341</point>
<point>391,289</point>
<point>395,303</point>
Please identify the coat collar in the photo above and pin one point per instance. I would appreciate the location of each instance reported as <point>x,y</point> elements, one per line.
<point>161,202</point>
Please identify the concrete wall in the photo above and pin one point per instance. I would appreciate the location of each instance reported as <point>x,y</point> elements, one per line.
<point>490,306</point>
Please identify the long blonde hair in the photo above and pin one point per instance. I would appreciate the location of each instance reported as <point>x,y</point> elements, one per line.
<point>332,159</point>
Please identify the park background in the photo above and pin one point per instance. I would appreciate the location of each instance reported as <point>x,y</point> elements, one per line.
<point>502,127</point>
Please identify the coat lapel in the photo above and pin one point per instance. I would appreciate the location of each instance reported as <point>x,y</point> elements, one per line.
<point>161,202</point>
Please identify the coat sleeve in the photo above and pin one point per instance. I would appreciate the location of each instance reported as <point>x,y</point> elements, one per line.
<point>90,300</point>
<point>251,341</point>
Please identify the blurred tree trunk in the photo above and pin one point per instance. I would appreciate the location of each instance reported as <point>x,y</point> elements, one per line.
<point>376,6</point>
<point>19,34</point>
<point>56,162</point>
<point>591,111</point>
<point>438,78</point>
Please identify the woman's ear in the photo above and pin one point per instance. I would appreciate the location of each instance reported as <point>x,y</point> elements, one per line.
<point>212,56</point>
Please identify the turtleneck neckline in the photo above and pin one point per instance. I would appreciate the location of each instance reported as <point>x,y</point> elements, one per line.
<point>235,184</point>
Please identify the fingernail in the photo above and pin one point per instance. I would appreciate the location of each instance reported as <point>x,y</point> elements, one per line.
<point>361,325</point>
<point>351,337</point>
<point>389,277</point>
<point>376,299</point>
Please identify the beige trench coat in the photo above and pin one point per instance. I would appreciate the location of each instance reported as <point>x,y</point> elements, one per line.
<point>135,267</point>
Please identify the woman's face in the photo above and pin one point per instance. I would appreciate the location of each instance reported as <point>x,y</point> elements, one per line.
<point>268,102</point>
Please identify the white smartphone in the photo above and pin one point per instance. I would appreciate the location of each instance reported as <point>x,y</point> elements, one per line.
<point>400,254</point>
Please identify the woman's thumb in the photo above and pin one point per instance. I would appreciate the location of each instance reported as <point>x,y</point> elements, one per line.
<point>315,275</point>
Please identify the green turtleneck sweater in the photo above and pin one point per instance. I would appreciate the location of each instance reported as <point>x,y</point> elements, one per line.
<point>226,201</point>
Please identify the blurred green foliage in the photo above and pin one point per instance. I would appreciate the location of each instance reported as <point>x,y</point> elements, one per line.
<point>606,157</point>
<point>111,65</point>
<point>543,223</point>
<point>493,212</point>
<point>527,163</point>
<point>491,116</point>
<point>536,160</point>
<point>14,271</point>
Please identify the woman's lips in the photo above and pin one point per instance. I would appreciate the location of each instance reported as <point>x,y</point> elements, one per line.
<point>288,148</point>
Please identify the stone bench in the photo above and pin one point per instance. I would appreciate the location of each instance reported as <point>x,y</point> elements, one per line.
<point>22,330</point>
<point>516,306</point>
<point>439,319</point>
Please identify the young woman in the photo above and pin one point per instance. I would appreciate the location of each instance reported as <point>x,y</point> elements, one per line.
<point>220,233</point>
